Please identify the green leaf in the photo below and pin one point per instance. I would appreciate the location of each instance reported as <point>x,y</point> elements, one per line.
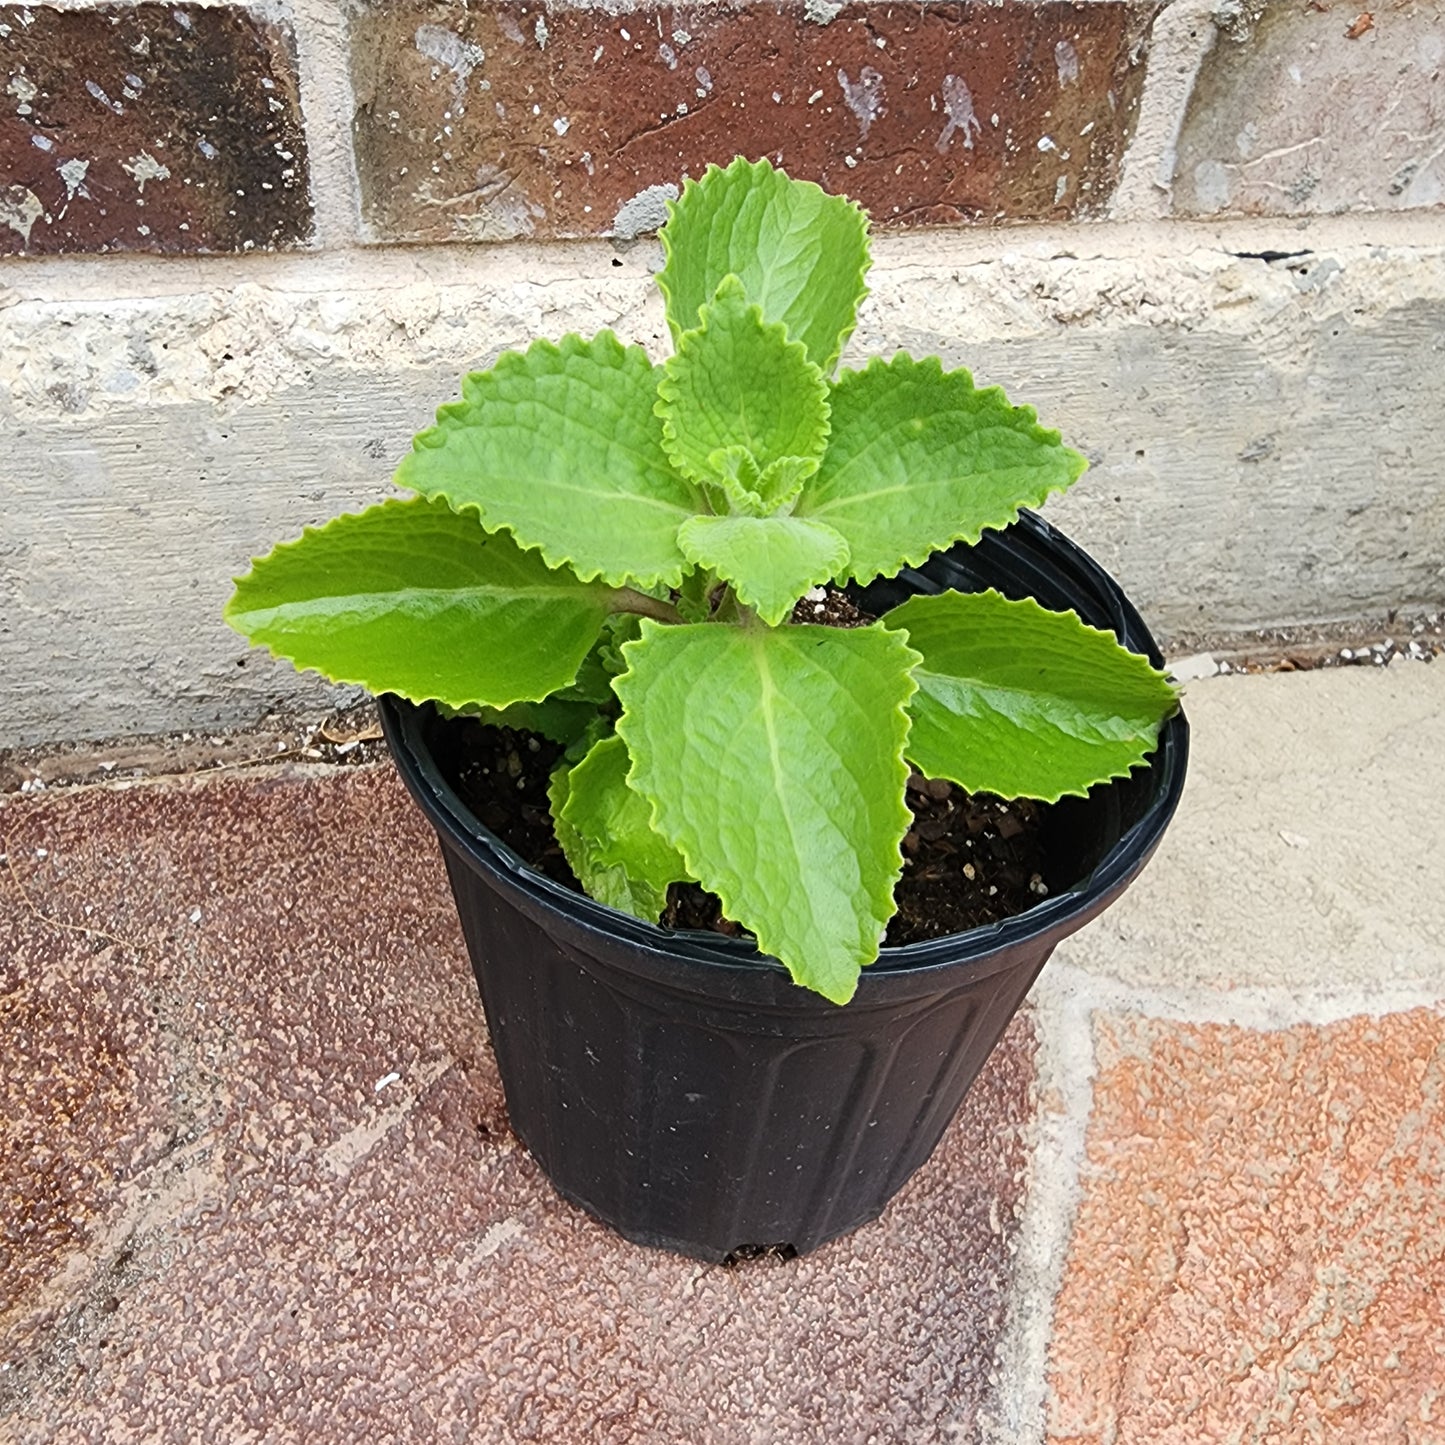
<point>919,458</point>
<point>615,820</point>
<point>413,598</point>
<point>596,684</point>
<point>746,492</point>
<point>773,759</point>
<point>738,382</point>
<point>1019,701</point>
<point>694,597</point>
<point>733,485</point>
<point>771,561</point>
<point>560,446</point>
<point>608,884</point>
<point>782,482</point>
<point>603,829</point>
<point>800,253</point>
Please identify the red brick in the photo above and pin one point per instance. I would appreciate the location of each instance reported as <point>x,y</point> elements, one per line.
<point>1299,118</point>
<point>346,1241</point>
<point>169,128</point>
<point>498,120</point>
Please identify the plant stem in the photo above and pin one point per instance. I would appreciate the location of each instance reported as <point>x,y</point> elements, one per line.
<point>625,599</point>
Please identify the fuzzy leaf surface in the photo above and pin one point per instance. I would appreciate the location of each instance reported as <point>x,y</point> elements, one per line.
<point>920,458</point>
<point>800,253</point>
<point>771,561</point>
<point>560,446</point>
<point>413,598</point>
<point>738,382</point>
<point>608,883</point>
<point>773,759</point>
<point>739,489</point>
<point>1023,702</point>
<point>616,821</point>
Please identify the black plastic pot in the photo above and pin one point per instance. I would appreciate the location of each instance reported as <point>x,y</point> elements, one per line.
<point>678,1085</point>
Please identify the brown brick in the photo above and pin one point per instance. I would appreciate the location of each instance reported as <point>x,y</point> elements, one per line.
<point>1259,1252</point>
<point>500,120</point>
<point>149,128</point>
<point>1300,118</point>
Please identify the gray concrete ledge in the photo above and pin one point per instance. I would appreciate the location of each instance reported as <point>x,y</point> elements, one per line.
<point>168,421</point>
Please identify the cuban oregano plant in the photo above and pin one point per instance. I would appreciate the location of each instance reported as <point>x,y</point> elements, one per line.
<point>609,550</point>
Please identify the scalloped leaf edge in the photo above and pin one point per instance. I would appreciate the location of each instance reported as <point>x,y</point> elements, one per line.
<point>573,343</point>
<point>916,556</point>
<point>667,386</point>
<point>1175,689</point>
<point>689,185</point>
<point>311,529</point>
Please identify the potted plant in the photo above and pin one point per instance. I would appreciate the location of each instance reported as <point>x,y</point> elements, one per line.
<point>743,610</point>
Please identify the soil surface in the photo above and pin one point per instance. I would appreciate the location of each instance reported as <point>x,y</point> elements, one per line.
<point>969,859</point>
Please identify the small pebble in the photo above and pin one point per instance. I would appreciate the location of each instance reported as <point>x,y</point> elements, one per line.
<point>1193,669</point>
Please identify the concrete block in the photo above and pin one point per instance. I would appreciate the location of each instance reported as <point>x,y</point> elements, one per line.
<point>156,441</point>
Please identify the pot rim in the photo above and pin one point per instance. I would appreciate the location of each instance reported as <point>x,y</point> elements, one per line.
<point>1059,915</point>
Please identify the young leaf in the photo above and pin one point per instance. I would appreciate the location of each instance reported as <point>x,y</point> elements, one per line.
<point>738,381</point>
<point>919,459</point>
<point>800,253</point>
<point>734,482</point>
<point>694,597</point>
<point>782,482</point>
<point>608,883</point>
<point>560,446</point>
<point>773,759</point>
<point>1022,702</point>
<point>413,598</point>
<point>771,561</point>
<point>747,492</point>
<point>615,820</point>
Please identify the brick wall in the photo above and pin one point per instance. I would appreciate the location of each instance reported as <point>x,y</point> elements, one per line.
<point>1206,240</point>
